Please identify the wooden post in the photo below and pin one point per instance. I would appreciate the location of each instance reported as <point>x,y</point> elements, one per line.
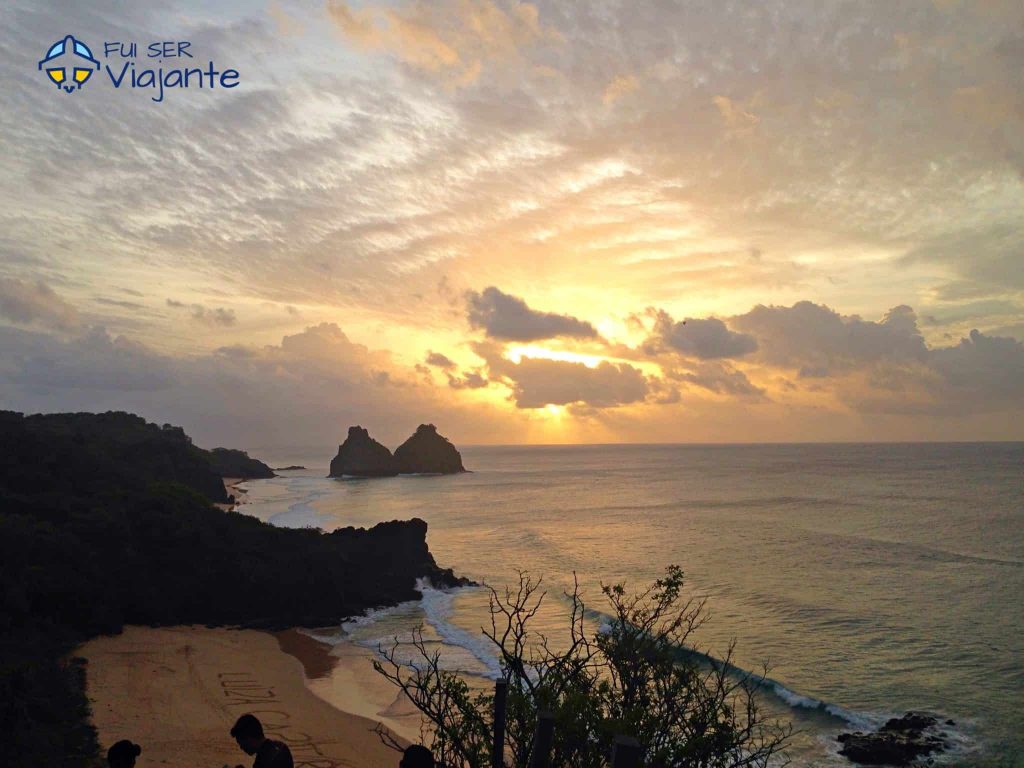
<point>626,752</point>
<point>500,701</point>
<point>543,740</point>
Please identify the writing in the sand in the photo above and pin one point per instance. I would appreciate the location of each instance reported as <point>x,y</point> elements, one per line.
<point>242,690</point>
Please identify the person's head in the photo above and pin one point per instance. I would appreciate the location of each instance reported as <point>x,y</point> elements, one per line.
<point>417,756</point>
<point>248,732</point>
<point>123,754</point>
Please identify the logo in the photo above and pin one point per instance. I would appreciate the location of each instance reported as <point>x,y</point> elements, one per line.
<point>69,64</point>
<point>156,68</point>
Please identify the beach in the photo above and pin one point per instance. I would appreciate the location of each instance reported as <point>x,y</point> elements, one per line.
<point>177,691</point>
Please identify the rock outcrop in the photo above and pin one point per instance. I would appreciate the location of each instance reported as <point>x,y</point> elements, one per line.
<point>229,462</point>
<point>362,456</point>
<point>901,741</point>
<point>427,452</point>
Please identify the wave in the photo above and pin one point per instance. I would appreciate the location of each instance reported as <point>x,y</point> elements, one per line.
<point>381,626</point>
<point>798,701</point>
<point>861,721</point>
<point>437,608</point>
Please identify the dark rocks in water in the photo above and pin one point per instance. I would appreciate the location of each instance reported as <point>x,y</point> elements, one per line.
<point>362,456</point>
<point>427,452</point>
<point>289,468</point>
<point>229,462</point>
<point>901,741</point>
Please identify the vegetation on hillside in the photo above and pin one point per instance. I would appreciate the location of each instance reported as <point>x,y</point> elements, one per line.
<point>107,520</point>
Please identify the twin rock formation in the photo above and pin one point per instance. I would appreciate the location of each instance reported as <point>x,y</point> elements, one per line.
<point>426,452</point>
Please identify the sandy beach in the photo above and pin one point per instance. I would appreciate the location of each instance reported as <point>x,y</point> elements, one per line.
<point>177,691</point>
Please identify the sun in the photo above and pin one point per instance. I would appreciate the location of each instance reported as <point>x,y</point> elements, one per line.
<point>554,411</point>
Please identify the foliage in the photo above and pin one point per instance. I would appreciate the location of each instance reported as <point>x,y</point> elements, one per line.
<point>635,678</point>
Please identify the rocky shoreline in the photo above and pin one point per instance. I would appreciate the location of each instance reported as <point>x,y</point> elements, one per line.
<point>900,742</point>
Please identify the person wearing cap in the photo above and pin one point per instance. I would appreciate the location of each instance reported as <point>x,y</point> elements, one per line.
<point>417,756</point>
<point>248,732</point>
<point>123,754</point>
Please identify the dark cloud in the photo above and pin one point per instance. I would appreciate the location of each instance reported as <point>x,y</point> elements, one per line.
<point>216,316</point>
<point>720,378</point>
<point>816,338</point>
<point>506,317</point>
<point>306,390</point>
<point>886,366</point>
<point>982,368</point>
<point>438,360</point>
<point>707,338</point>
<point>35,303</point>
<point>468,380</point>
<point>537,382</point>
<point>133,305</point>
<point>74,371</point>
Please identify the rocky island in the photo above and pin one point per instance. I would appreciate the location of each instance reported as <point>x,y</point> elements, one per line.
<point>362,456</point>
<point>426,452</point>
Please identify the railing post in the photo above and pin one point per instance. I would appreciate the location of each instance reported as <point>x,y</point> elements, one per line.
<point>500,700</point>
<point>543,739</point>
<point>626,752</point>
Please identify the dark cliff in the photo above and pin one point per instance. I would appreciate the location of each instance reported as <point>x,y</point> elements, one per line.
<point>229,462</point>
<point>428,452</point>
<point>106,520</point>
<point>89,453</point>
<point>362,456</point>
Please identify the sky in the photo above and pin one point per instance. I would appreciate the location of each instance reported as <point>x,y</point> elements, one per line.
<point>547,222</point>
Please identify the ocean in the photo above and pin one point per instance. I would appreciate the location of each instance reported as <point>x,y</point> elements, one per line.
<point>873,578</point>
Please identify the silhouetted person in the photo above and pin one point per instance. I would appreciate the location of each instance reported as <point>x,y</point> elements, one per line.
<point>123,754</point>
<point>248,732</point>
<point>417,756</point>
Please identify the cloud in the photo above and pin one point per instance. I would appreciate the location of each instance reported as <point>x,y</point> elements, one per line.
<point>982,368</point>
<point>736,118</point>
<point>506,317</point>
<point>468,380</point>
<point>453,38</point>
<point>35,303</point>
<point>307,389</point>
<point>538,382</point>
<point>817,338</point>
<point>285,23</point>
<point>216,316</point>
<point>438,360</point>
<point>720,378</point>
<point>57,371</point>
<point>706,338</point>
<point>886,366</point>
<point>620,86</point>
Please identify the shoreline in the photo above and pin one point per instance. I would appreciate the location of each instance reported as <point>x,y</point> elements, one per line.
<point>177,691</point>
<point>342,675</point>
